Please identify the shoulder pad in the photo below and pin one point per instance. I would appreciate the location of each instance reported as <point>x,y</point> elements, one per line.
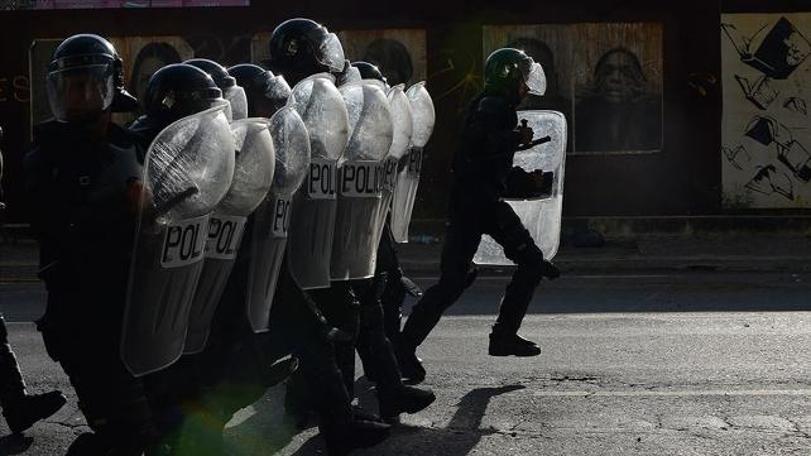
<point>127,137</point>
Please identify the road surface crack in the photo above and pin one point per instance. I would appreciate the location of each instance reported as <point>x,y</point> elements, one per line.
<point>797,429</point>
<point>67,425</point>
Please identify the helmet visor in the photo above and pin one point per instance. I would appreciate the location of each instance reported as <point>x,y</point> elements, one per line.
<point>331,53</point>
<point>239,102</point>
<point>535,79</point>
<point>80,92</point>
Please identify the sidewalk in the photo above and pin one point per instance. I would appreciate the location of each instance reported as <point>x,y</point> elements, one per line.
<point>725,252</point>
<point>745,253</point>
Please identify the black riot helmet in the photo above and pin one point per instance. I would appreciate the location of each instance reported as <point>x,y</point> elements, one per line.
<point>507,70</point>
<point>369,71</point>
<point>86,79</point>
<point>179,90</point>
<point>232,92</point>
<point>266,92</point>
<point>215,70</point>
<point>302,47</point>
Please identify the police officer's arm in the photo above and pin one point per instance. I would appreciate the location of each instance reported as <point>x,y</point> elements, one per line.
<point>491,131</point>
<point>41,211</point>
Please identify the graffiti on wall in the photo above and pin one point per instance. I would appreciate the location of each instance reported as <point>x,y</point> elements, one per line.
<point>766,88</point>
<point>605,78</point>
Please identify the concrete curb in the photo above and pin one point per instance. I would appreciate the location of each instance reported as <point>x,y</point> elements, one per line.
<point>646,265</point>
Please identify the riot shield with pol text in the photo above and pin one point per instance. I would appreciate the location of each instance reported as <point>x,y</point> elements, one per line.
<point>187,171</point>
<point>405,194</point>
<point>402,124</point>
<point>312,222</point>
<point>360,182</point>
<point>271,220</point>
<point>253,175</point>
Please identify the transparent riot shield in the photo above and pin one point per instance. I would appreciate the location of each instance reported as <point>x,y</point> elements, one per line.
<point>188,170</point>
<point>312,221</point>
<point>424,116</point>
<point>239,102</point>
<point>402,124</point>
<point>253,175</point>
<point>360,182</point>
<point>271,220</point>
<point>540,215</point>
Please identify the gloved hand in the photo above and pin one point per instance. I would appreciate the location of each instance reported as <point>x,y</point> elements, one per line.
<point>526,133</point>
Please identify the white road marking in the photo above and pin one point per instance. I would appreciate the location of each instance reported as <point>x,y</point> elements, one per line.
<point>568,277</point>
<point>241,416</point>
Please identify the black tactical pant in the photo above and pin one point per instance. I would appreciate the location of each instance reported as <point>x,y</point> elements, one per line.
<point>394,293</point>
<point>354,307</point>
<point>341,309</point>
<point>112,400</point>
<point>464,231</point>
<point>373,344</point>
<point>233,371</point>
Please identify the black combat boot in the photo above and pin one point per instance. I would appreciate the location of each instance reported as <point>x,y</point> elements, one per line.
<point>341,429</point>
<point>510,344</point>
<point>410,365</point>
<point>405,399</point>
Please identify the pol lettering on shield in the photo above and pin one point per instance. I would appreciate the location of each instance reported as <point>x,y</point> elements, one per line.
<point>415,162</point>
<point>281,218</point>
<point>322,180</point>
<point>224,236</point>
<point>184,242</point>
<point>361,179</point>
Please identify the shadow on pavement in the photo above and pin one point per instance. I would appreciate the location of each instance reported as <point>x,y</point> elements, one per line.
<point>458,438</point>
<point>266,431</point>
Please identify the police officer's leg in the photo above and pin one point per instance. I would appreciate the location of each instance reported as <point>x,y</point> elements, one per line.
<point>382,282</point>
<point>394,397</point>
<point>318,377</point>
<point>21,409</point>
<point>367,294</point>
<point>395,291</point>
<point>461,242</point>
<point>506,228</point>
<point>112,400</point>
<point>341,308</point>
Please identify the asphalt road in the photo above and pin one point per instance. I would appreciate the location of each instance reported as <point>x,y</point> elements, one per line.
<point>684,364</point>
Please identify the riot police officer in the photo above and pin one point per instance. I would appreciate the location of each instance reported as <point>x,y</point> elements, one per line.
<point>396,285</point>
<point>175,92</point>
<point>78,176</point>
<point>482,169</point>
<point>300,48</point>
